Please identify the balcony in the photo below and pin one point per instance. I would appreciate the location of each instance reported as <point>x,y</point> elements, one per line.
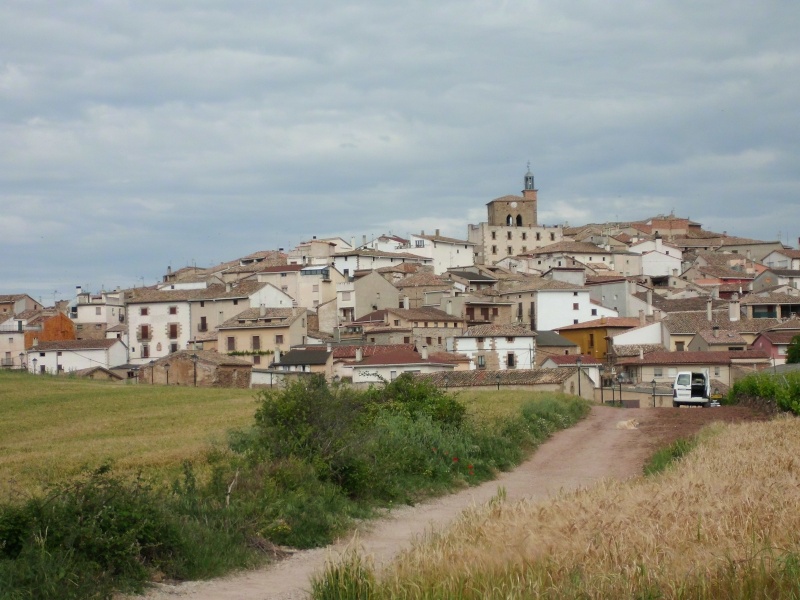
<point>6,362</point>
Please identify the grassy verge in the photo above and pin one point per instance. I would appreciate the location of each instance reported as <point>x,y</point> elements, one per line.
<point>721,524</point>
<point>313,458</point>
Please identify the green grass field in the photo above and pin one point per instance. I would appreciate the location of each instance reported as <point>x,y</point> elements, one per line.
<point>51,427</point>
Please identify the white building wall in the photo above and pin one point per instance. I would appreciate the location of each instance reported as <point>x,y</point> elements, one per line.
<point>649,334</point>
<point>657,264</point>
<point>158,318</point>
<point>378,373</point>
<point>523,349</point>
<point>555,308</point>
<point>75,360</point>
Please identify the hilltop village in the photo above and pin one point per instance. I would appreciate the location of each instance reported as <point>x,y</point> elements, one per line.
<point>516,303</point>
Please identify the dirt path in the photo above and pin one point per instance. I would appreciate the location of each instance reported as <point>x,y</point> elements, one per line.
<point>602,445</point>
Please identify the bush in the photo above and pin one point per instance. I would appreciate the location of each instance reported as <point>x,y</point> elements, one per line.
<point>91,532</point>
<point>783,389</point>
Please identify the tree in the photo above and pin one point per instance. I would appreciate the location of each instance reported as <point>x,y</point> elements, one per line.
<point>793,351</point>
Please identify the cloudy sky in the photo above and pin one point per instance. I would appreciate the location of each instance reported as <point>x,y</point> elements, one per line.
<point>136,135</point>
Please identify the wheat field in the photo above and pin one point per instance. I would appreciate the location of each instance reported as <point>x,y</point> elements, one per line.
<point>722,523</point>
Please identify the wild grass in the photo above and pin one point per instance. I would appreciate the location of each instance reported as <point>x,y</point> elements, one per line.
<point>723,523</point>
<point>53,427</point>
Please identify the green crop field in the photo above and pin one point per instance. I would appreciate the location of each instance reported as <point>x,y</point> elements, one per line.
<point>52,427</point>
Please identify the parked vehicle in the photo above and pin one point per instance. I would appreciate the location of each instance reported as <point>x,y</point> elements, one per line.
<point>692,388</point>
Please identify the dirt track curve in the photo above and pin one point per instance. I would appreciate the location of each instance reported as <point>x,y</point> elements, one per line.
<point>599,446</point>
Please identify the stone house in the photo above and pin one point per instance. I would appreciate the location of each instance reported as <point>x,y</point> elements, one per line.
<point>496,347</point>
<point>263,334</point>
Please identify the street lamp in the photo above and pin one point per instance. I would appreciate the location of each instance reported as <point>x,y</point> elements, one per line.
<point>653,383</point>
<point>579,362</point>
<point>446,381</point>
<point>194,367</point>
<point>497,379</point>
<point>619,381</point>
<point>166,370</point>
<point>21,360</point>
<point>34,366</point>
<point>601,368</point>
<point>152,372</point>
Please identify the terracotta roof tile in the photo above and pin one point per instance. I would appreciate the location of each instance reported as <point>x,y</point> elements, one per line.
<point>481,377</point>
<point>698,358</point>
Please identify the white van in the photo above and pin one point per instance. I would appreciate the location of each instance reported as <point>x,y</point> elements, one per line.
<point>692,387</point>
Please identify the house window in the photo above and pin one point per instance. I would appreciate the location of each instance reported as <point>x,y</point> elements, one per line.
<point>256,342</point>
<point>143,311</point>
<point>173,347</point>
<point>552,237</point>
<point>257,360</point>
<point>510,340</point>
<point>591,340</point>
<point>658,372</point>
<point>481,361</point>
<point>524,235</point>
<point>495,311</point>
<point>173,331</point>
<point>145,351</point>
<point>508,235</point>
<point>716,371</point>
<point>144,332</point>
<point>173,310</point>
<point>524,249</point>
<point>202,303</point>
<point>494,249</point>
<point>679,346</point>
<point>397,322</point>
<point>428,340</point>
<point>575,306</point>
<point>406,340</point>
<point>538,236</point>
<point>315,287</point>
<point>494,235</point>
<point>231,344</point>
<point>509,250</point>
<point>419,243</point>
<point>510,358</point>
<point>439,340</point>
<point>279,339</point>
<point>594,312</point>
<point>97,310</point>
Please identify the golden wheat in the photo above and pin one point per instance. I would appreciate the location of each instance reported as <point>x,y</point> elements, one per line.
<point>731,505</point>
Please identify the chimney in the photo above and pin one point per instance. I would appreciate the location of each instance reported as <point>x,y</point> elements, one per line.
<point>406,302</point>
<point>169,270</point>
<point>364,240</point>
<point>228,287</point>
<point>715,292</point>
<point>734,310</point>
<point>642,319</point>
<point>277,356</point>
<point>359,354</point>
<point>649,301</point>
<point>632,287</point>
<point>641,353</point>
<point>449,307</point>
<point>328,347</point>
<point>715,331</point>
<point>424,353</point>
<point>437,233</point>
<point>709,315</point>
<point>658,314</point>
<point>262,310</point>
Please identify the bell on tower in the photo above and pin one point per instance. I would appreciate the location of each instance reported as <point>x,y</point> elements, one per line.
<point>529,178</point>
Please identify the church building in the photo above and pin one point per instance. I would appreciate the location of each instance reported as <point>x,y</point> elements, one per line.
<point>512,228</point>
